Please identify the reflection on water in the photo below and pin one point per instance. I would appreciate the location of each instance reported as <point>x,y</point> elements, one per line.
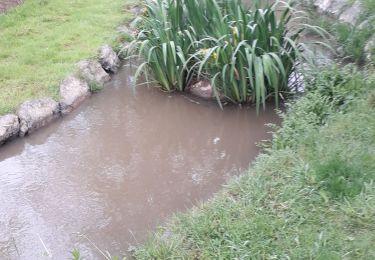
<point>116,168</point>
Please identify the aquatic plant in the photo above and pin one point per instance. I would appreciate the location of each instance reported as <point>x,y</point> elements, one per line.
<point>247,53</point>
<point>253,54</point>
<point>164,44</point>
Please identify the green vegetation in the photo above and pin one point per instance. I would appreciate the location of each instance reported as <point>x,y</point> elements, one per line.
<point>40,41</point>
<point>369,6</point>
<point>246,53</point>
<point>311,195</point>
<point>351,39</point>
<point>76,255</point>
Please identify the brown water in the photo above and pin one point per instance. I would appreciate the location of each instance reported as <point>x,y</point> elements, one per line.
<point>118,167</point>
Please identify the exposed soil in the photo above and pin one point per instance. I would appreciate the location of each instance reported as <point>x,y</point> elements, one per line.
<point>7,4</point>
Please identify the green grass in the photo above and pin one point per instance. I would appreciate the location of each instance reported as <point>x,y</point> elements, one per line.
<point>41,40</point>
<point>353,39</point>
<point>369,6</point>
<point>311,195</point>
<point>350,39</point>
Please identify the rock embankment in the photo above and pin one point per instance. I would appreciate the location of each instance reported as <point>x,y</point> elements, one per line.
<point>9,127</point>
<point>92,72</point>
<point>90,76</point>
<point>34,114</point>
<point>73,90</point>
<point>108,59</point>
<point>352,12</point>
<point>345,10</point>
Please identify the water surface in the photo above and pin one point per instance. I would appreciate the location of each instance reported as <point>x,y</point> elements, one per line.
<point>117,167</point>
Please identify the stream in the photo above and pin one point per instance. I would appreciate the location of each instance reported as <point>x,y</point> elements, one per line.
<point>106,175</point>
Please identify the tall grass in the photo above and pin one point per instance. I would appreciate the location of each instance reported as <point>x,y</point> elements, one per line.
<point>247,53</point>
<point>253,58</point>
<point>164,43</point>
<point>353,39</point>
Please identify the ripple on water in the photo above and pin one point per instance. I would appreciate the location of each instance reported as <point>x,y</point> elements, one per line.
<point>117,167</point>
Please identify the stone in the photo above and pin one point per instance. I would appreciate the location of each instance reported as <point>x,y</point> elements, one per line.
<point>340,51</point>
<point>108,59</point>
<point>92,72</point>
<point>37,113</point>
<point>370,49</point>
<point>129,30</point>
<point>345,10</point>
<point>202,89</point>
<point>337,7</point>
<point>135,24</point>
<point>364,25</point>
<point>296,82</point>
<point>322,5</point>
<point>137,10</point>
<point>73,91</point>
<point>125,50</point>
<point>9,127</point>
<point>352,14</point>
<point>331,7</point>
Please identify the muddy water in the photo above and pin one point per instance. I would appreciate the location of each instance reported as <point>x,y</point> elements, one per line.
<point>116,168</point>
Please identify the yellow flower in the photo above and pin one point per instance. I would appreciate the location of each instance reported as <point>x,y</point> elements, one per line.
<point>214,56</point>
<point>203,52</point>
<point>144,12</point>
<point>234,31</point>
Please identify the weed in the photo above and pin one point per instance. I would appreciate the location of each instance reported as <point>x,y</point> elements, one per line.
<point>369,6</point>
<point>339,177</point>
<point>247,53</point>
<point>76,254</point>
<point>353,39</point>
<point>164,43</point>
<point>371,99</point>
<point>340,85</point>
<point>95,87</point>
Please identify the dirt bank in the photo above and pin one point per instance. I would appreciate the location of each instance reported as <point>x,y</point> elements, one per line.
<point>7,4</point>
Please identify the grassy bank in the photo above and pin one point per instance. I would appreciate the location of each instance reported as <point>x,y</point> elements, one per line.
<point>310,196</point>
<point>41,40</point>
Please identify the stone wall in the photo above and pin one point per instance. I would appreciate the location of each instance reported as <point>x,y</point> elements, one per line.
<point>34,114</point>
<point>352,12</point>
<point>344,10</point>
<point>90,75</point>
